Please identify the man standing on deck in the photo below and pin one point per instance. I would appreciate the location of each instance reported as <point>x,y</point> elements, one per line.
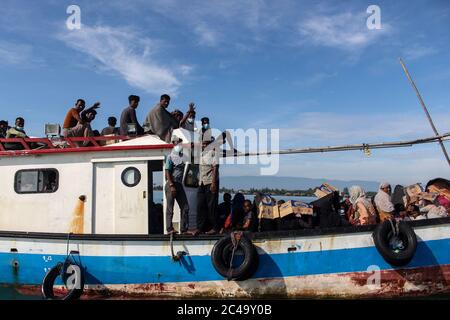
<point>128,116</point>
<point>208,191</point>
<point>384,203</point>
<point>174,170</point>
<point>224,137</point>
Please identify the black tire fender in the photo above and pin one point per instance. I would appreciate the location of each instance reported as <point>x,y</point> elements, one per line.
<point>221,256</point>
<point>384,233</point>
<point>67,272</point>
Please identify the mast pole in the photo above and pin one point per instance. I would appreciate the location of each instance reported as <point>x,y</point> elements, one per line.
<point>430,120</point>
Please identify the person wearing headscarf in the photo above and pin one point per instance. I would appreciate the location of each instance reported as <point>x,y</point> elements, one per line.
<point>364,212</point>
<point>384,203</point>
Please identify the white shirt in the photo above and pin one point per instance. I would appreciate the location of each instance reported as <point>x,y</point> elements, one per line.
<point>383,202</point>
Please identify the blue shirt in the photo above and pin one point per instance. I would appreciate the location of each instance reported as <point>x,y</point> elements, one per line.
<point>175,165</point>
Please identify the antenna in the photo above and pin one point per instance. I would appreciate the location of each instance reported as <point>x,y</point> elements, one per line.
<point>425,110</point>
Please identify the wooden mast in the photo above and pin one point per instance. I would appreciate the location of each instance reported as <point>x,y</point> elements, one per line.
<point>425,110</point>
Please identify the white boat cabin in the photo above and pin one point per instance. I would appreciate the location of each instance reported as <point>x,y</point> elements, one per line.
<point>91,190</point>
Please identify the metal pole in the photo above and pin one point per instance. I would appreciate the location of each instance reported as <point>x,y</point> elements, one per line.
<point>425,110</point>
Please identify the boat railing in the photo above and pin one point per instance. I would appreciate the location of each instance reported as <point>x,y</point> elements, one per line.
<point>58,142</point>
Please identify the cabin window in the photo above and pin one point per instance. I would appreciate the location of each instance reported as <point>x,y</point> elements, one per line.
<point>36,181</point>
<point>191,178</point>
<point>131,177</point>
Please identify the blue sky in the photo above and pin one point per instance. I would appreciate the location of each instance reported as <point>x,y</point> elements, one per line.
<point>311,68</point>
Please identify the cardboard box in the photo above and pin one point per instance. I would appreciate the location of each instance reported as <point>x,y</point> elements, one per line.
<point>430,196</point>
<point>440,190</point>
<point>324,189</point>
<point>295,207</point>
<point>414,190</point>
<point>268,208</point>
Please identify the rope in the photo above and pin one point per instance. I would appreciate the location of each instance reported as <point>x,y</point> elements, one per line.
<point>235,239</point>
<point>62,265</point>
<point>394,228</point>
<point>174,257</point>
<point>395,242</point>
<point>352,147</point>
<point>67,247</point>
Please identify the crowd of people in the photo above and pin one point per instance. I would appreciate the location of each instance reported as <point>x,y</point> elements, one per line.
<point>238,213</point>
<point>333,210</point>
<point>401,204</point>
<point>78,122</point>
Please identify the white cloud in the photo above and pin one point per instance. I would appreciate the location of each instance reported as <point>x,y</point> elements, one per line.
<point>417,51</point>
<point>206,36</point>
<point>126,53</point>
<point>315,79</point>
<point>328,127</point>
<point>186,70</point>
<point>345,31</point>
<point>15,54</point>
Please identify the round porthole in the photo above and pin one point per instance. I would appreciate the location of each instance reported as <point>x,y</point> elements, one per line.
<point>131,177</point>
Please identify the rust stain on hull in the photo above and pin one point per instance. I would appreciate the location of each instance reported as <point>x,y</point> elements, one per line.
<point>422,281</point>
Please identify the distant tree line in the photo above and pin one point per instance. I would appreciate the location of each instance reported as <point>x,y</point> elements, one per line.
<point>274,191</point>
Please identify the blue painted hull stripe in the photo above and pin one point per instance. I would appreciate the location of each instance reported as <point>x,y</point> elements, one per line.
<point>161,269</point>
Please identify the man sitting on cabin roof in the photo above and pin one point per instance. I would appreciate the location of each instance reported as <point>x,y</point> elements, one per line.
<point>3,128</point>
<point>16,132</point>
<point>83,128</point>
<point>111,128</point>
<point>128,117</point>
<point>160,121</point>
<point>73,116</point>
<point>186,121</point>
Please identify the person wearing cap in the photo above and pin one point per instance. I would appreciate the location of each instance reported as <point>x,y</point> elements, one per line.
<point>224,137</point>
<point>208,195</point>
<point>174,169</point>
<point>206,127</point>
<point>383,202</point>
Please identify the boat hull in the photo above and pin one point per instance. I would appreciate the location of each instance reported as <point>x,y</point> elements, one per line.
<point>339,265</point>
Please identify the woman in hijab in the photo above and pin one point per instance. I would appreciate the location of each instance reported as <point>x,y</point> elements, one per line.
<point>364,211</point>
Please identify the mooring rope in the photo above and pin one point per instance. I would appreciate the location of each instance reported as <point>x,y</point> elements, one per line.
<point>235,239</point>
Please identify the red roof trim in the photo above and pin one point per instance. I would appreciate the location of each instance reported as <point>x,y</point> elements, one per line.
<point>73,149</point>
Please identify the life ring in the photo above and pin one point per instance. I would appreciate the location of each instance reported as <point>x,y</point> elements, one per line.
<point>70,275</point>
<point>222,256</point>
<point>396,242</point>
